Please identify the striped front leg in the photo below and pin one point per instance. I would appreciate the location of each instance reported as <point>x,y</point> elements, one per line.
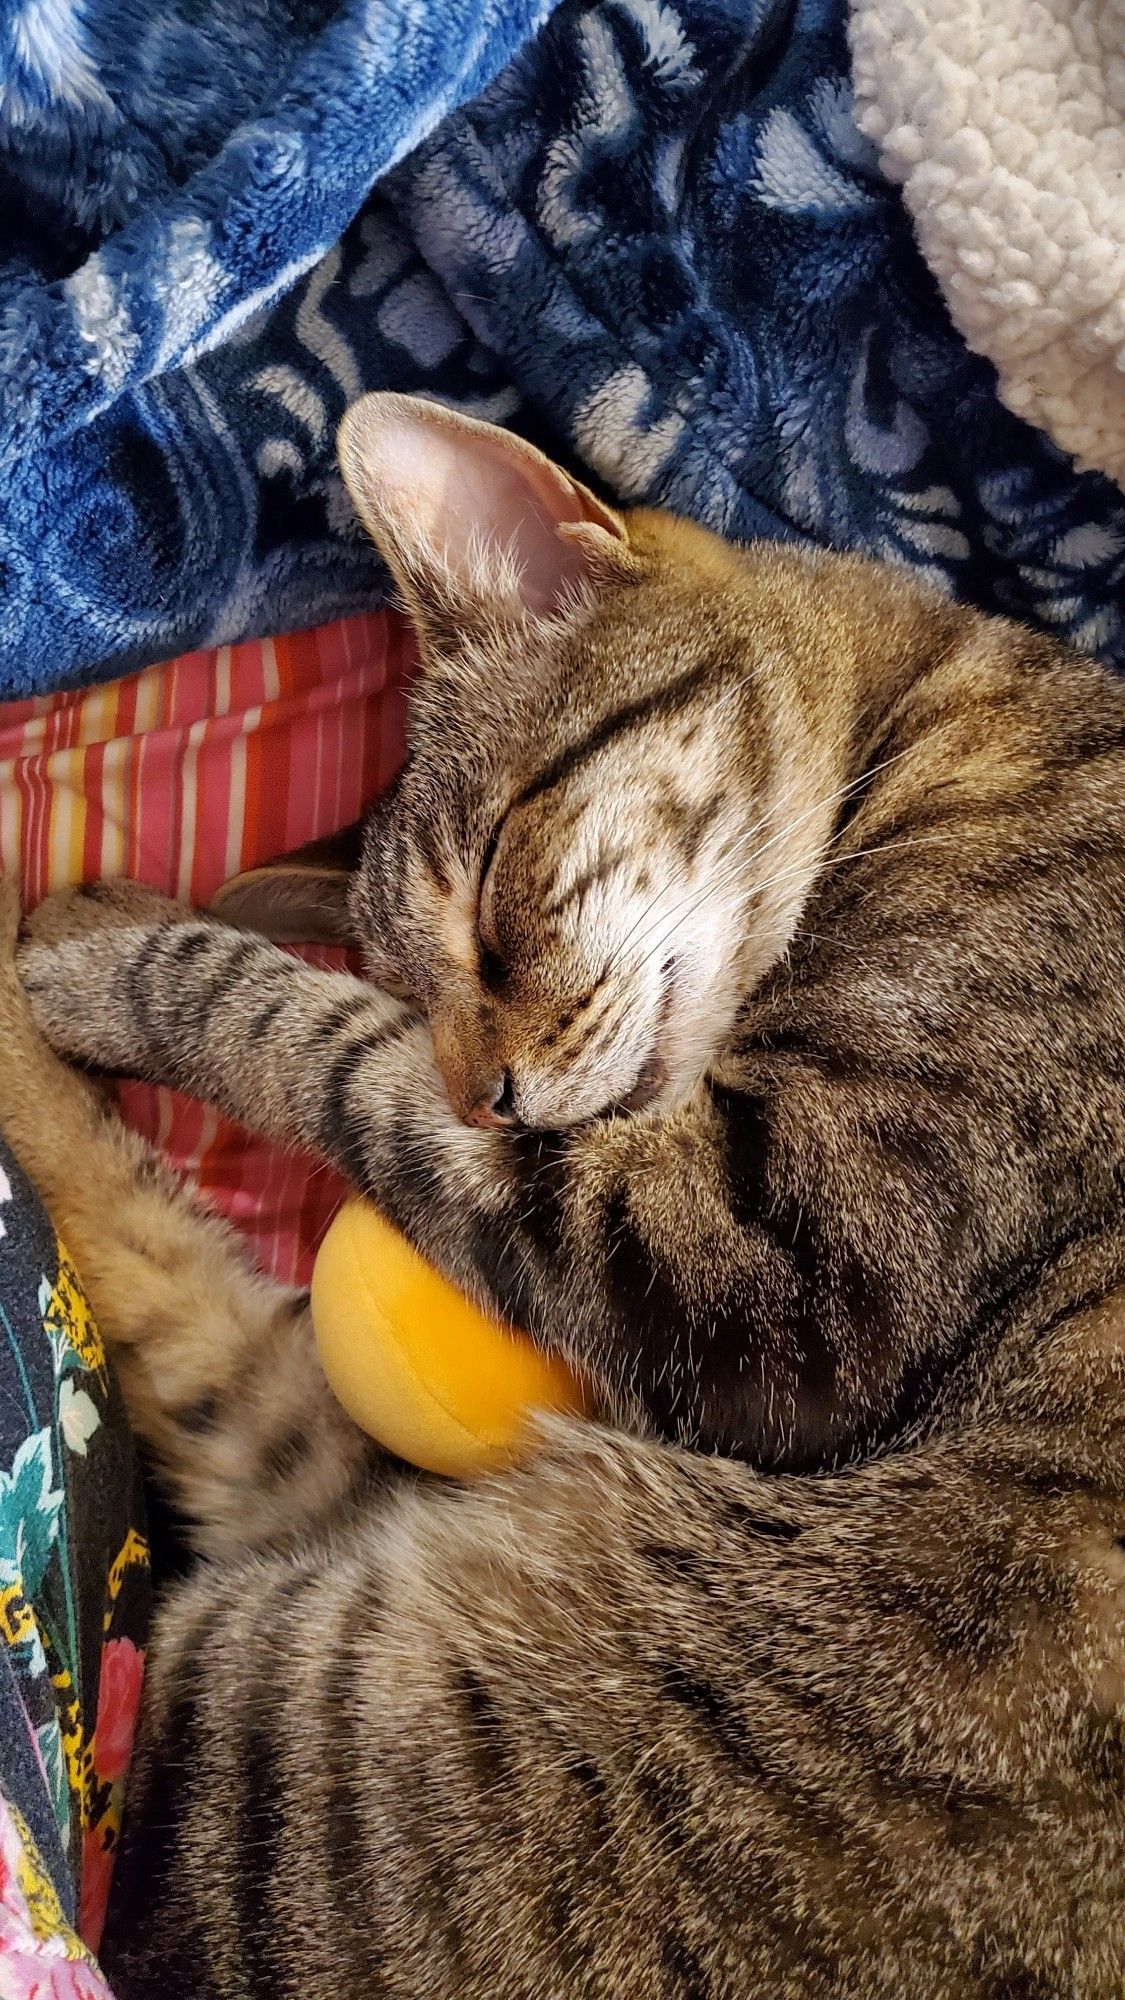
<point>124,980</point>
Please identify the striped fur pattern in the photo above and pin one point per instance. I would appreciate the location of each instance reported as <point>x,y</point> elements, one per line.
<point>833,1707</point>
<point>631,1720</point>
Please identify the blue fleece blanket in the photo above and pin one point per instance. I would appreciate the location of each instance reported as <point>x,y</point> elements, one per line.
<point>644,231</point>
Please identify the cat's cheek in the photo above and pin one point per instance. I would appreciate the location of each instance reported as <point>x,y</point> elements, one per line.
<point>709,993</point>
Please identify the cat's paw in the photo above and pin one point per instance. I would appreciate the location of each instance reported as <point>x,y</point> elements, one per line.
<point>73,958</point>
<point>35,1089</point>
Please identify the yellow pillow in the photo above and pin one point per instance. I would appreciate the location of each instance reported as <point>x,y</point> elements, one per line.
<point>418,1367</point>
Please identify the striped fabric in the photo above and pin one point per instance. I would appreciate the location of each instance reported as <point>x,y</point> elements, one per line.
<point>181,776</point>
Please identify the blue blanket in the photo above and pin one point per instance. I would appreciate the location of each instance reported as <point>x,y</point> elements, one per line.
<point>644,231</point>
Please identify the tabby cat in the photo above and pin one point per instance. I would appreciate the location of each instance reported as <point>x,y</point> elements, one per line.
<point>761,919</point>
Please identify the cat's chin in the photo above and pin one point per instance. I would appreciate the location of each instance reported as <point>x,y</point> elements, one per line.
<point>677,1060</point>
<point>651,1084</point>
<point>654,1090</point>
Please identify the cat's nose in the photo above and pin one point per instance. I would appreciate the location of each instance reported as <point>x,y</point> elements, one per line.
<point>495,1104</point>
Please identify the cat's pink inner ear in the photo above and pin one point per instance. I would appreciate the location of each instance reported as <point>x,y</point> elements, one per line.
<point>435,489</point>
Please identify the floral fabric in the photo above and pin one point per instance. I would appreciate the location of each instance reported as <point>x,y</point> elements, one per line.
<point>74,1605</point>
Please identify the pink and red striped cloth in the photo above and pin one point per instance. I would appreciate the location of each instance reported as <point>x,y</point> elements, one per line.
<point>181,776</point>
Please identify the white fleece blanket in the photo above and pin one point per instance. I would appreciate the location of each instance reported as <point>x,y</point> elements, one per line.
<point>1004,121</point>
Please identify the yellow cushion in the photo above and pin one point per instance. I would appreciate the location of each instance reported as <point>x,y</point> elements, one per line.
<point>417,1366</point>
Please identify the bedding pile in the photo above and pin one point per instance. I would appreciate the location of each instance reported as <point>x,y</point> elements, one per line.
<point>650,233</point>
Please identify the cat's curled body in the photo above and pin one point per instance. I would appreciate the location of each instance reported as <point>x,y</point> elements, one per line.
<point>840,1716</point>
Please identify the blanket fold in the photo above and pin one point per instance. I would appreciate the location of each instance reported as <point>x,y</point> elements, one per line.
<point>647,232</point>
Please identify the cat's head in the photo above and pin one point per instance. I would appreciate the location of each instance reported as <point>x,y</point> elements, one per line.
<point>559,876</point>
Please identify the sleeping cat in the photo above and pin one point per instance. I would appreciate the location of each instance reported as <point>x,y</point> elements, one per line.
<point>762,919</point>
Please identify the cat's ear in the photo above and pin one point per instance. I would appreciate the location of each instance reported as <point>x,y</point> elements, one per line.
<point>474,523</point>
<point>301,898</point>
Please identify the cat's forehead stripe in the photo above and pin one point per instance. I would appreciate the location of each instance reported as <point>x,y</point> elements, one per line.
<point>429,848</point>
<point>599,871</point>
<point>659,702</point>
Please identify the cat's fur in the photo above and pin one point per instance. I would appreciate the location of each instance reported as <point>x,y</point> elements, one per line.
<point>636,1720</point>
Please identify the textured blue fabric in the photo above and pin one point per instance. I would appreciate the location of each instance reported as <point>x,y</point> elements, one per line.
<point>653,240</point>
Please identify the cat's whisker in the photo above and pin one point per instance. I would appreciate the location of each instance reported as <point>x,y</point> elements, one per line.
<point>795,869</point>
<point>747,835</point>
<point>735,858</point>
<point>735,861</point>
<point>826,938</point>
<point>737,688</point>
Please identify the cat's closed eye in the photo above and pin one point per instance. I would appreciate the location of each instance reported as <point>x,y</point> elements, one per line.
<point>490,959</point>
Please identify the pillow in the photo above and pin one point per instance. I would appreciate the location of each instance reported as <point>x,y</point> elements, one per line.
<point>181,776</point>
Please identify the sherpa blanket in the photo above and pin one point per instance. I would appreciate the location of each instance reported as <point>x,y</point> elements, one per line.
<point>1005,124</point>
<point>652,236</point>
